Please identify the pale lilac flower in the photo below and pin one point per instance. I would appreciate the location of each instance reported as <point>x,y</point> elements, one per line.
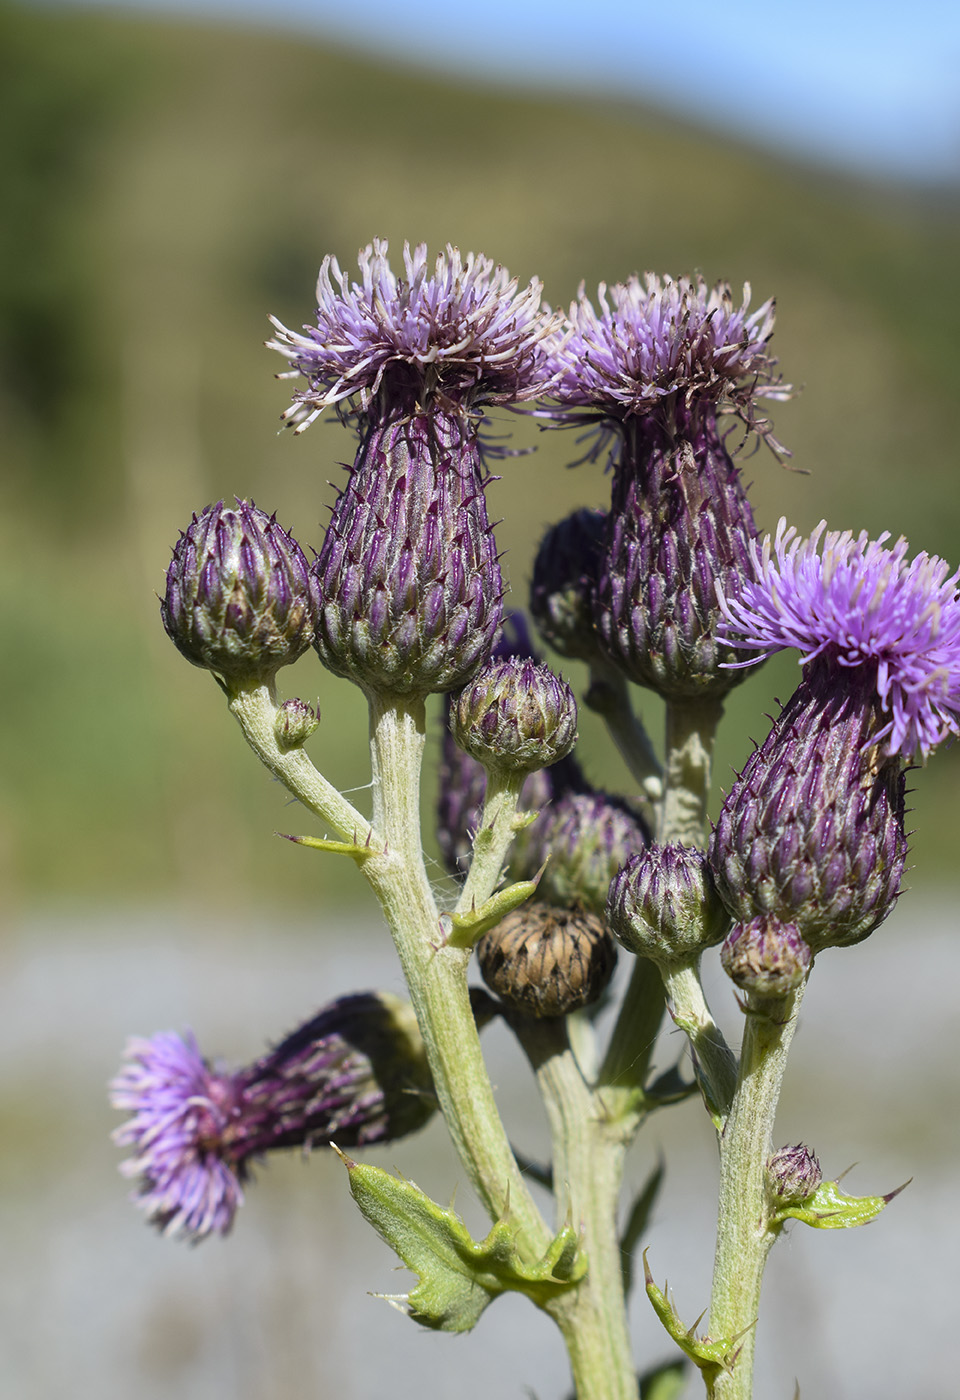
<point>860,606</point>
<point>464,333</point>
<point>663,339</point>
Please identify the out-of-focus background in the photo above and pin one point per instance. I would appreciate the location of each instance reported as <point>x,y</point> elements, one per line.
<point>171,176</point>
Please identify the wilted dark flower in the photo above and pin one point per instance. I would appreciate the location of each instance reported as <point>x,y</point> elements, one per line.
<point>355,1072</point>
<point>239,600</point>
<point>664,905</point>
<point>547,961</point>
<point>408,574</point>
<point>812,831</point>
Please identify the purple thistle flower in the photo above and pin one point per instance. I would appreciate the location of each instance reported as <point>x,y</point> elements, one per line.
<point>355,1072</point>
<point>408,574</point>
<point>653,369</point>
<point>660,341</point>
<point>466,334</point>
<point>861,607</point>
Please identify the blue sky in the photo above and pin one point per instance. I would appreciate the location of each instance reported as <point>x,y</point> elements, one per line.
<point>872,87</point>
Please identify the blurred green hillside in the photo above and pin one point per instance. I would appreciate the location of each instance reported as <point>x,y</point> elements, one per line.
<point>166,186</point>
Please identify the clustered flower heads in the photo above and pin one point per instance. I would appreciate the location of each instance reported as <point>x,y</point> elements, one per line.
<point>356,1072</point>
<point>466,333</point>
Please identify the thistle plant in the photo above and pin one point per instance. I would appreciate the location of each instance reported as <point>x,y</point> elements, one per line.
<point>668,586</point>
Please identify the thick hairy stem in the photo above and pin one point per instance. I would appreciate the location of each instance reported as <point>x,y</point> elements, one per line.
<point>255,708</point>
<point>744,1236</point>
<point>715,1062</point>
<point>588,1154</point>
<point>437,974</point>
<point>691,731</point>
<point>626,1064</point>
<point>609,696</point>
<point>498,826</point>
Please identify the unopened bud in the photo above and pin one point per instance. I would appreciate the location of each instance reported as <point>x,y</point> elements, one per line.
<point>295,722</point>
<point>793,1173</point>
<point>766,958</point>
<point>664,905</point>
<point>547,961</point>
<point>580,840</point>
<point>516,715</point>
<point>238,600</point>
<point>564,576</point>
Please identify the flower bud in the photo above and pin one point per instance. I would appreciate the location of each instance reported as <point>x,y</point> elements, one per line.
<point>766,958</point>
<point>295,722</point>
<point>515,715</point>
<point>564,576</point>
<point>356,1072</point>
<point>580,841</point>
<point>546,961</point>
<point>664,905</point>
<point>238,599</point>
<point>793,1173</point>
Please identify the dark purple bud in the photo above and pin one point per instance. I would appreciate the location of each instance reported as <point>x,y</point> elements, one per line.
<point>812,831</point>
<point>410,588</point>
<point>546,961</point>
<point>766,958</point>
<point>793,1173</point>
<point>664,905</point>
<point>295,722</point>
<point>356,1073</point>
<point>515,715</point>
<point>582,838</point>
<point>564,578</point>
<point>239,599</point>
<point>679,525</point>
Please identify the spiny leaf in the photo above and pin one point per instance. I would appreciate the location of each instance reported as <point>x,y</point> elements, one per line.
<point>457,1276</point>
<point>711,1356</point>
<point>465,930</point>
<point>829,1209</point>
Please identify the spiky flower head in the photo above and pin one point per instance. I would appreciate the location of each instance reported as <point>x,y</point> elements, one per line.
<point>355,1072</point>
<point>239,600</point>
<point>664,905</point>
<point>865,609</point>
<point>546,961</point>
<point>515,715</point>
<point>650,344</point>
<point>793,1173</point>
<point>464,334</point>
<point>564,578</point>
<point>765,957</point>
<point>579,841</point>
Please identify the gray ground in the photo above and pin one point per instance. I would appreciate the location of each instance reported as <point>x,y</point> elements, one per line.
<point>97,1307</point>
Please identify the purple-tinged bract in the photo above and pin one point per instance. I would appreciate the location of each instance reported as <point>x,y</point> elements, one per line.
<point>863,608</point>
<point>239,600</point>
<point>793,1173</point>
<point>579,840</point>
<point>515,715</point>
<point>663,905</point>
<point>465,334</point>
<point>355,1072</point>
<point>812,831</point>
<point>766,957</point>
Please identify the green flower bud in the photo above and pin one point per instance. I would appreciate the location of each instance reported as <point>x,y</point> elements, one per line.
<point>295,722</point>
<point>766,958</point>
<point>515,715</point>
<point>663,905</point>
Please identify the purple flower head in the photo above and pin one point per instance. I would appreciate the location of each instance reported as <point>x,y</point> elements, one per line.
<point>662,340</point>
<point>863,608</point>
<point>180,1113</point>
<point>355,1072</point>
<point>465,335</point>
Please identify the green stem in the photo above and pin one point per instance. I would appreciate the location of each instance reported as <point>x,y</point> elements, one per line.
<point>626,1064</point>
<point>691,731</point>
<point>255,707</point>
<point>588,1155</point>
<point>744,1233</point>
<point>714,1061</point>
<point>437,974</point>
<point>609,696</point>
<point>498,827</point>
